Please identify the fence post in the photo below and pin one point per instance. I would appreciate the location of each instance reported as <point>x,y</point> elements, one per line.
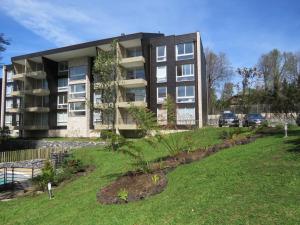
<point>12,174</point>
<point>5,175</point>
<point>32,172</point>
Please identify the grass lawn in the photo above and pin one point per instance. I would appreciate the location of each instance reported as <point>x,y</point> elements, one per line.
<point>258,183</point>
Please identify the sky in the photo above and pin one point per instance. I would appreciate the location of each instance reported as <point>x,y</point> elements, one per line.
<point>244,30</point>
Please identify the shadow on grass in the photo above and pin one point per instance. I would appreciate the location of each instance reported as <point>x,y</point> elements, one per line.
<point>295,143</point>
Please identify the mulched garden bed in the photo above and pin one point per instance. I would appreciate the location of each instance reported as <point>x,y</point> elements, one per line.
<point>141,185</point>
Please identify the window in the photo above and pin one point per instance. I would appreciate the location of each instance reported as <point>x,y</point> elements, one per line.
<point>135,94</point>
<point>185,116</point>
<point>161,74</point>
<point>78,73</point>
<point>134,52</point>
<point>137,73</point>
<point>9,103</point>
<point>62,119</point>
<point>62,101</point>
<point>63,68</point>
<point>185,51</point>
<point>185,72</point>
<point>62,84</point>
<point>97,98</point>
<point>77,91</point>
<point>161,94</point>
<point>161,53</point>
<point>185,94</point>
<point>77,109</point>
<point>8,119</point>
<point>9,76</point>
<point>162,116</point>
<point>9,89</point>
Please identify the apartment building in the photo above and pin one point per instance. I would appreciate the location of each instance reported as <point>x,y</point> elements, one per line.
<point>50,93</point>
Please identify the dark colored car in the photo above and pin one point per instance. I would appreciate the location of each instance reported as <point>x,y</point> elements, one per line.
<point>298,120</point>
<point>228,119</point>
<point>253,119</point>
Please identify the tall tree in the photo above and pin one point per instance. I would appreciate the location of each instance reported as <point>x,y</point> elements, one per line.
<point>3,43</point>
<point>218,71</point>
<point>105,74</point>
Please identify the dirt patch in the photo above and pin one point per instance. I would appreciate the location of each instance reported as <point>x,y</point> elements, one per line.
<point>137,186</point>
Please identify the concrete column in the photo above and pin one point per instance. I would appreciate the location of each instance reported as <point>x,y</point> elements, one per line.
<point>3,96</point>
<point>199,81</point>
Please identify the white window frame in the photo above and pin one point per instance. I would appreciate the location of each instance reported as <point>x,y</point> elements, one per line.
<point>9,103</point>
<point>189,77</point>
<point>161,79</point>
<point>62,105</point>
<point>8,122</point>
<point>74,111</point>
<point>164,57</point>
<point>161,100</point>
<point>72,95</point>
<point>185,54</point>
<point>186,98</point>
<point>63,88</point>
<point>77,75</point>
<point>187,121</point>
<point>62,123</point>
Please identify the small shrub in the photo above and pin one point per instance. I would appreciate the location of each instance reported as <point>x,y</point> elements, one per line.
<point>47,175</point>
<point>155,179</point>
<point>123,194</point>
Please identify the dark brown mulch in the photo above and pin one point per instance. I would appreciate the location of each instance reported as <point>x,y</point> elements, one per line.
<point>138,186</point>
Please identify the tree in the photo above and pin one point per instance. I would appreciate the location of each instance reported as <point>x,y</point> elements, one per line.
<point>248,77</point>
<point>218,70</point>
<point>3,43</point>
<point>106,72</point>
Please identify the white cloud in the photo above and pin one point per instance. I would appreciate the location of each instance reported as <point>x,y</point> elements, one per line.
<point>46,20</point>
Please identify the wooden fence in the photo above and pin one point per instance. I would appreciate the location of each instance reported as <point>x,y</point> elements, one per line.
<point>27,154</point>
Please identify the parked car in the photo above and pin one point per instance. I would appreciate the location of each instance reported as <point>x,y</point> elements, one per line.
<point>253,119</point>
<point>228,118</point>
<point>298,120</point>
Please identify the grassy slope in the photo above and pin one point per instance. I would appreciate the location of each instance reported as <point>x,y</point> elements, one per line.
<point>253,184</point>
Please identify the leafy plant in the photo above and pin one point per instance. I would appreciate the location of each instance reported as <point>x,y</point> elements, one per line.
<point>47,175</point>
<point>155,179</point>
<point>123,194</point>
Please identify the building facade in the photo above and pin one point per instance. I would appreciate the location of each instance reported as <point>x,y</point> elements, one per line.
<point>51,93</point>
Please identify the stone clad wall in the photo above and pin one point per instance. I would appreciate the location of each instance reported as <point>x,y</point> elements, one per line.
<point>18,144</point>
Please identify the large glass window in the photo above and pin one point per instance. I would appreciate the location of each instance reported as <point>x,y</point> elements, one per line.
<point>62,119</point>
<point>9,103</point>
<point>8,119</point>
<point>62,101</point>
<point>78,73</point>
<point>9,89</point>
<point>137,73</point>
<point>134,52</point>
<point>186,116</point>
<point>161,53</point>
<point>161,74</point>
<point>135,94</point>
<point>77,91</point>
<point>161,94</point>
<point>185,72</point>
<point>77,109</point>
<point>62,84</point>
<point>63,68</point>
<point>9,75</point>
<point>185,94</point>
<point>185,51</point>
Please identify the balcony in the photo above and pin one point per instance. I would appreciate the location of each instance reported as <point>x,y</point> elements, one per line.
<point>17,93</point>
<point>36,74</point>
<point>38,92</point>
<point>131,126</point>
<point>101,126</point>
<point>131,62</point>
<point>37,109</point>
<point>19,76</point>
<point>133,83</point>
<point>129,104</point>
<point>34,127</point>
<point>14,109</point>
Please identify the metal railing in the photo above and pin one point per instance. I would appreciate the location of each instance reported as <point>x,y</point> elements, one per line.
<point>13,174</point>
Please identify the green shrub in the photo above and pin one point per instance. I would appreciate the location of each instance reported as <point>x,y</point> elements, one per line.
<point>123,194</point>
<point>46,176</point>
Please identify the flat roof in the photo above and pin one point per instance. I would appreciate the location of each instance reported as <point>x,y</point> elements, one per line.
<point>124,37</point>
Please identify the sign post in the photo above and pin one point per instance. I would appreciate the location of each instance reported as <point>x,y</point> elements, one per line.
<point>286,129</point>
